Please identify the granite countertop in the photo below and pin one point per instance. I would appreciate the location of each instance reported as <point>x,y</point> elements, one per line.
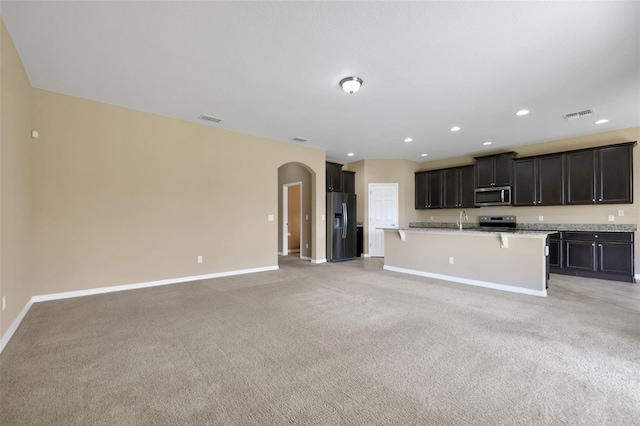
<point>598,227</point>
<point>474,231</point>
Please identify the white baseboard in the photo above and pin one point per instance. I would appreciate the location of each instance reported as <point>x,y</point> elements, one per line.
<point>305,257</point>
<point>486,284</point>
<point>294,251</point>
<point>280,253</point>
<point>316,261</point>
<point>637,278</point>
<point>14,325</point>
<point>69,294</point>
<point>365,255</point>
<point>101,290</point>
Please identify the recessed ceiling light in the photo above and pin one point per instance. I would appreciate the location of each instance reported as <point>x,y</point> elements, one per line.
<point>604,120</point>
<point>454,128</point>
<point>487,143</point>
<point>351,154</point>
<point>423,155</point>
<point>522,112</point>
<point>408,140</point>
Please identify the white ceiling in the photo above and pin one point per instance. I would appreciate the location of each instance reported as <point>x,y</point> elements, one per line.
<point>272,68</point>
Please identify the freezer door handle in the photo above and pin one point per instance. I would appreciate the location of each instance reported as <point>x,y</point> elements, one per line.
<point>346,220</point>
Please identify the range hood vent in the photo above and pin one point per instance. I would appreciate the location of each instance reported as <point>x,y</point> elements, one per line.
<point>578,114</point>
<point>210,118</point>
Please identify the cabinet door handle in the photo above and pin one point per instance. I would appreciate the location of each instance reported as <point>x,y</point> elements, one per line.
<point>599,199</point>
<point>593,244</point>
<point>594,200</point>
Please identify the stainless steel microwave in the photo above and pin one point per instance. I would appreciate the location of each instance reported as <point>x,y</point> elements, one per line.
<point>495,196</point>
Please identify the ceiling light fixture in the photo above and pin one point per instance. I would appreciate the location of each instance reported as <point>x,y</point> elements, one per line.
<point>487,143</point>
<point>522,112</point>
<point>423,155</point>
<point>351,84</point>
<point>351,154</point>
<point>604,120</point>
<point>454,128</point>
<point>408,140</point>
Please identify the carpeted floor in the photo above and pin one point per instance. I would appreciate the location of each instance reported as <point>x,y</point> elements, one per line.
<point>333,344</point>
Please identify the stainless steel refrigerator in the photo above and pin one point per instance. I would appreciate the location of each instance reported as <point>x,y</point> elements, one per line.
<point>341,226</point>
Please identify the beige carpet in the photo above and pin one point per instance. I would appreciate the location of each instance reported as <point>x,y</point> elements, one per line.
<point>333,344</point>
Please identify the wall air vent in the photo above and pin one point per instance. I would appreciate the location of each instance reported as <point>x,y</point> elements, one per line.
<point>300,139</point>
<point>210,118</point>
<point>578,114</point>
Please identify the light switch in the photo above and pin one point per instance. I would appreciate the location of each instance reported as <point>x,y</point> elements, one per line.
<point>270,218</point>
<point>611,217</point>
<point>621,212</point>
<point>540,218</point>
<point>306,217</point>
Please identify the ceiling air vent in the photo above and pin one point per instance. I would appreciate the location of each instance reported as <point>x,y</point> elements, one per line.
<point>300,139</point>
<point>578,114</point>
<point>210,118</point>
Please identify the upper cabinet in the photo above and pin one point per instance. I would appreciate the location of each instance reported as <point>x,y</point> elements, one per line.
<point>349,181</point>
<point>334,177</point>
<point>538,181</point>
<point>429,190</point>
<point>600,175</point>
<point>458,187</point>
<point>494,170</point>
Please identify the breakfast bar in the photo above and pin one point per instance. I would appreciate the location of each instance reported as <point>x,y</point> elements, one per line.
<point>513,261</point>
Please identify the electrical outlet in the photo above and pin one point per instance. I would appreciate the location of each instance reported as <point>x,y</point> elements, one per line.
<point>611,217</point>
<point>307,245</point>
<point>323,218</point>
<point>4,302</point>
<point>199,259</point>
<point>620,212</point>
<point>306,217</point>
<point>540,218</point>
<point>430,217</point>
<point>270,218</point>
<point>450,260</point>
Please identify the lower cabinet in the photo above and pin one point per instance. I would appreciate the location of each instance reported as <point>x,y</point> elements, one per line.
<point>604,255</point>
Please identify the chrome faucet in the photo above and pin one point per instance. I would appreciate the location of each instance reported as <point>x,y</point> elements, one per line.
<point>461,217</point>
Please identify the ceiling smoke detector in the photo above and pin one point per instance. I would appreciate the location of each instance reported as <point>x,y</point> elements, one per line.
<point>578,114</point>
<point>210,118</point>
<point>297,139</point>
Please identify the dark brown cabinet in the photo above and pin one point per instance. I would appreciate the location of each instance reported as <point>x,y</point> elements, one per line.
<point>555,251</point>
<point>600,175</point>
<point>428,189</point>
<point>458,187</point>
<point>538,181</point>
<point>606,255</point>
<point>349,181</point>
<point>494,170</point>
<point>334,177</point>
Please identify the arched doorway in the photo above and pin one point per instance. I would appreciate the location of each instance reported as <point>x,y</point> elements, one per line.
<point>295,210</point>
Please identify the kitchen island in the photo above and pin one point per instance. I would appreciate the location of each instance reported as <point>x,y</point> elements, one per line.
<point>513,261</point>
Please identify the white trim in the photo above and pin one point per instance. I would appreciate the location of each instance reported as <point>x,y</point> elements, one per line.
<point>280,253</point>
<point>294,251</point>
<point>305,257</point>
<point>316,261</point>
<point>637,278</point>
<point>285,216</point>
<point>101,290</point>
<point>495,286</point>
<point>365,255</point>
<point>14,325</point>
<point>371,228</point>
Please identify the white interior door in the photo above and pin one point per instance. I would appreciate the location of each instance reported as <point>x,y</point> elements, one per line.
<point>383,213</point>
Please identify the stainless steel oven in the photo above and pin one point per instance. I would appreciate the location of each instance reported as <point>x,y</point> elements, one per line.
<point>495,196</point>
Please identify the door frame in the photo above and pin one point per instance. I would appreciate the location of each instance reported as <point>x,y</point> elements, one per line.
<point>285,217</point>
<point>370,231</point>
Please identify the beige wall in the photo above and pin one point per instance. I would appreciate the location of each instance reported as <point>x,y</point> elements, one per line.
<point>16,145</point>
<point>383,171</point>
<point>291,173</point>
<point>123,196</point>
<point>521,264</point>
